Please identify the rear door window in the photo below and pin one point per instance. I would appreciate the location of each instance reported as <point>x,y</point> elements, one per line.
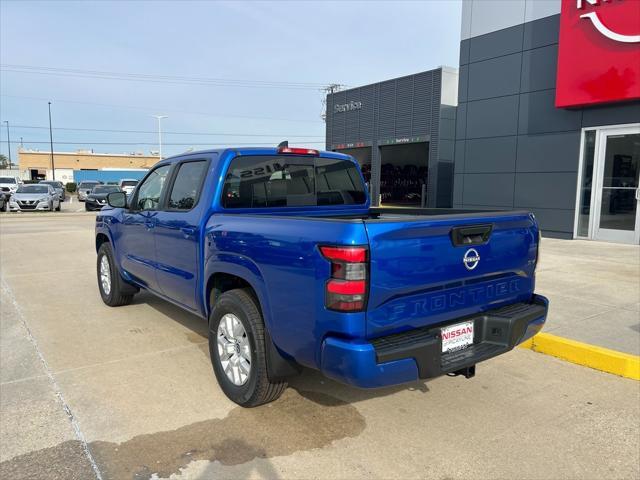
<point>291,181</point>
<point>186,186</point>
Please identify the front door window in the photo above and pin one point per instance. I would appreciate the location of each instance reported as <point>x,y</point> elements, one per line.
<point>149,192</point>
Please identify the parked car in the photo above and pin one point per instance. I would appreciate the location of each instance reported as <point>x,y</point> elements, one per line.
<point>281,252</point>
<point>10,184</point>
<point>34,197</point>
<point>98,196</point>
<point>58,187</point>
<point>4,201</point>
<point>85,187</point>
<point>128,185</point>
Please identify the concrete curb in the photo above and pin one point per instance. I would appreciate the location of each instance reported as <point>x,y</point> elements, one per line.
<point>598,358</point>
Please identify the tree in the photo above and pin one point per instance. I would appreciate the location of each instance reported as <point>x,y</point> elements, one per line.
<point>4,162</point>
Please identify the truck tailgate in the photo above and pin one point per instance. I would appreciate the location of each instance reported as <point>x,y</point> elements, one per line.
<point>418,275</point>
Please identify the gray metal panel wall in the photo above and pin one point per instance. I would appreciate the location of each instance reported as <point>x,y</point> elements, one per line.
<point>513,148</point>
<point>400,108</point>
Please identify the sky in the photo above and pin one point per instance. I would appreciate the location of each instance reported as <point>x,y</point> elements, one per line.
<point>252,72</point>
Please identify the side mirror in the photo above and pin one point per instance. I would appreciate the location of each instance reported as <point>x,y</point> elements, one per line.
<point>117,200</point>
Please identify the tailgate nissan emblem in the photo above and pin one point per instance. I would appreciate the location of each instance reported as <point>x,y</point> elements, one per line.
<point>471,259</point>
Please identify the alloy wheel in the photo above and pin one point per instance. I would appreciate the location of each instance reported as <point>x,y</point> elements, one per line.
<point>234,349</point>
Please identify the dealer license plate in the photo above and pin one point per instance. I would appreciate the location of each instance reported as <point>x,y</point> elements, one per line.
<point>456,337</point>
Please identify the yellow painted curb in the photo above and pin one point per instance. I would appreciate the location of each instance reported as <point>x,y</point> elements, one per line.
<point>598,358</point>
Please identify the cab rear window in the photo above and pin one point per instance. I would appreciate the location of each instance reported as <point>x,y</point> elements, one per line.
<point>291,181</point>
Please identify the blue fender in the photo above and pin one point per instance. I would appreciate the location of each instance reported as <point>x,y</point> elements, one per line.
<point>240,266</point>
<point>103,227</point>
<point>279,365</point>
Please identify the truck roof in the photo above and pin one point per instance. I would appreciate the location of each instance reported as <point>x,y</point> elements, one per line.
<point>250,151</point>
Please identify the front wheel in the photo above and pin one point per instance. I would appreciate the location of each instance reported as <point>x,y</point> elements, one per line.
<point>112,288</point>
<point>237,349</point>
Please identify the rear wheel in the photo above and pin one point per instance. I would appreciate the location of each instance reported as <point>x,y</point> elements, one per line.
<point>238,353</point>
<point>113,289</point>
<point>58,207</point>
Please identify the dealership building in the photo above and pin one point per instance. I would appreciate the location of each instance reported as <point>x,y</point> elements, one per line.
<point>547,118</point>
<point>401,131</point>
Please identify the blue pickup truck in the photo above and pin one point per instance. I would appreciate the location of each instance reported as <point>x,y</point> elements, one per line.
<point>281,252</point>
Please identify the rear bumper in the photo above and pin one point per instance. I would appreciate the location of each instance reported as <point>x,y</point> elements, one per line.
<point>416,354</point>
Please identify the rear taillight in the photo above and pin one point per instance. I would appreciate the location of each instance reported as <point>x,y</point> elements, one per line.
<point>346,290</point>
<point>298,151</point>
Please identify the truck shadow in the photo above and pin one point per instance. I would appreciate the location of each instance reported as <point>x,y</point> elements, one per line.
<point>309,380</point>
<point>188,320</point>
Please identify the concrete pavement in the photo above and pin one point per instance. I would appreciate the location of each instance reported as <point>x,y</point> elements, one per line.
<point>132,390</point>
<point>594,289</point>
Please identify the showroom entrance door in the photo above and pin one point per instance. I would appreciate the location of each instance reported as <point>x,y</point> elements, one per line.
<point>615,212</point>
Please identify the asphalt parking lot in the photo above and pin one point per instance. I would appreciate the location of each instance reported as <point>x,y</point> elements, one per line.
<point>87,391</point>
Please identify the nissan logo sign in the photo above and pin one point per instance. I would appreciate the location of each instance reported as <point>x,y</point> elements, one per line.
<point>601,27</point>
<point>471,259</point>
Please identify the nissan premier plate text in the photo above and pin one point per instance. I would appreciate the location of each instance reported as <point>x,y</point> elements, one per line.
<point>457,337</point>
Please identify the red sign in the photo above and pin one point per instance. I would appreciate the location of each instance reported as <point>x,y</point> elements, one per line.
<point>599,52</point>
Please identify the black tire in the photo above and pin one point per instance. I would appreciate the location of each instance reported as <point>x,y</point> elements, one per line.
<point>86,207</point>
<point>258,389</point>
<point>120,293</point>
<point>58,208</point>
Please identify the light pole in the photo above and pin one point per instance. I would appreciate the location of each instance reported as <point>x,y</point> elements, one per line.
<point>8,142</point>
<point>160,117</point>
<point>53,165</point>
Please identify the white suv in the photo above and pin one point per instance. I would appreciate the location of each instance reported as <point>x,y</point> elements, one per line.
<point>128,185</point>
<point>10,184</point>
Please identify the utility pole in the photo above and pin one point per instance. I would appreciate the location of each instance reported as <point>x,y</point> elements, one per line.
<point>8,142</point>
<point>53,165</point>
<point>160,117</point>
<point>328,90</point>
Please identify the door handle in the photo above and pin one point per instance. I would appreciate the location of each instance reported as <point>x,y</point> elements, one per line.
<point>188,231</point>
<point>638,194</point>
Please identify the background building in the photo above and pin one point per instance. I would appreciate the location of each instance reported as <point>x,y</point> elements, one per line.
<point>548,114</point>
<point>401,131</point>
<point>83,165</point>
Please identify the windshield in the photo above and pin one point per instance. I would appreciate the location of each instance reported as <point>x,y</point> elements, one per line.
<point>34,189</point>
<point>88,184</point>
<point>53,184</point>
<point>129,183</point>
<point>7,180</point>
<point>105,189</point>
